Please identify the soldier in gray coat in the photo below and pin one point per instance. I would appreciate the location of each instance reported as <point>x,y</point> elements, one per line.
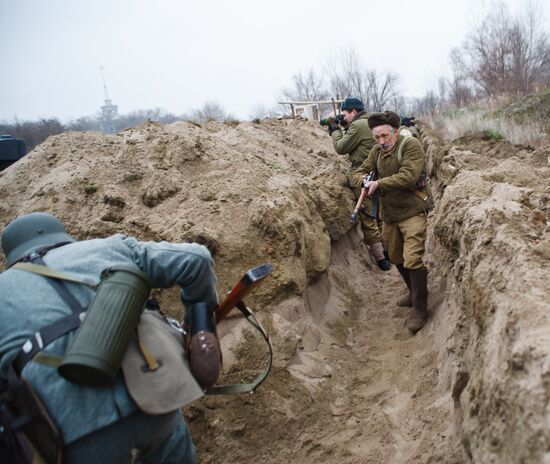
<point>98,424</point>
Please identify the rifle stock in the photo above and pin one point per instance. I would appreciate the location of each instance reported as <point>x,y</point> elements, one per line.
<point>248,282</point>
<point>358,204</point>
<point>371,176</point>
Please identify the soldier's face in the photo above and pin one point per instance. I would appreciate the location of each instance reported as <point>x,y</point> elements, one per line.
<point>385,136</point>
<point>349,115</point>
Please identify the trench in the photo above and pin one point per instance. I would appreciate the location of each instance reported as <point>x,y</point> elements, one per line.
<point>360,387</point>
<point>352,385</point>
<point>388,400</point>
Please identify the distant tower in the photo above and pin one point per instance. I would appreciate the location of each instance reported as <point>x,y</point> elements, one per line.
<point>109,112</point>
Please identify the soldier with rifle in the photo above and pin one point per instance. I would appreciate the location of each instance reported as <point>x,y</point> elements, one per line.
<point>356,141</point>
<point>405,201</point>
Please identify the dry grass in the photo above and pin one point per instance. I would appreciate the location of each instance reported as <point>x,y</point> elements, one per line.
<point>519,120</point>
<point>462,122</point>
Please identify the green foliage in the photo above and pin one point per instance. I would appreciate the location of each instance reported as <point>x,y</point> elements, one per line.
<point>90,188</point>
<point>490,134</point>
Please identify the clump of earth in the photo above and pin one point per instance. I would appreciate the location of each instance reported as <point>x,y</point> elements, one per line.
<point>348,383</point>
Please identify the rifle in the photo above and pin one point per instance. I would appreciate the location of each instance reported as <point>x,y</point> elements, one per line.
<point>248,282</point>
<point>205,356</point>
<point>359,205</point>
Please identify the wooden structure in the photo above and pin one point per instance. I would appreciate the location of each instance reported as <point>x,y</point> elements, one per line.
<point>311,109</point>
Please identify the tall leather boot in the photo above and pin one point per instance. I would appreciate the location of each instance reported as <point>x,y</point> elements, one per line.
<point>419,290</point>
<point>407,299</point>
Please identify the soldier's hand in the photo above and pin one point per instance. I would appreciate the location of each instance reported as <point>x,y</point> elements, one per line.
<point>371,186</point>
<point>366,181</point>
<point>409,122</point>
<point>332,127</point>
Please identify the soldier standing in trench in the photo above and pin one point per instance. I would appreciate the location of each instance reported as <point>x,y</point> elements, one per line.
<point>401,182</point>
<point>357,141</point>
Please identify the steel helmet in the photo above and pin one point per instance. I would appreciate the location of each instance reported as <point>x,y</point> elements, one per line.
<point>31,231</point>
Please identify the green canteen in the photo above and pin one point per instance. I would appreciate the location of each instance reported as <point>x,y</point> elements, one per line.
<point>95,354</point>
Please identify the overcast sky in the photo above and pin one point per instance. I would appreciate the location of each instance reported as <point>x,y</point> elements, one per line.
<point>177,54</point>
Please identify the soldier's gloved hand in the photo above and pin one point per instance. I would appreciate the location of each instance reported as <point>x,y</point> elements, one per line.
<point>332,127</point>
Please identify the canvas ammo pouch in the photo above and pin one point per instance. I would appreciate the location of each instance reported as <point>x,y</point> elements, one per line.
<point>157,361</point>
<point>155,367</point>
<point>27,433</point>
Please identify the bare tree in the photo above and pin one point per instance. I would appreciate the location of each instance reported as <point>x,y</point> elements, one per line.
<point>442,88</point>
<point>382,90</point>
<point>85,123</point>
<point>348,77</point>
<point>529,50</point>
<point>427,105</point>
<point>306,87</point>
<point>505,55</point>
<point>210,111</point>
<point>32,132</point>
<point>400,105</point>
<point>139,116</point>
<point>261,112</point>
<point>459,93</point>
<point>458,89</point>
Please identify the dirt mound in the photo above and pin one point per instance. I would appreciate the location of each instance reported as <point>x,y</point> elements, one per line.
<point>251,193</point>
<point>348,383</point>
<point>490,247</point>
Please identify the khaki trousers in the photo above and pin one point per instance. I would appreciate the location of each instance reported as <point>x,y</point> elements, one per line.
<point>369,226</point>
<point>405,241</point>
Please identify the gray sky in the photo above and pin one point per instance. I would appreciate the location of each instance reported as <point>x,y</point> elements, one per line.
<point>177,54</point>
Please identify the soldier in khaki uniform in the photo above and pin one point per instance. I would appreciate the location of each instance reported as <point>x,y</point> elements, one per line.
<point>405,197</point>
<point>357,142</point>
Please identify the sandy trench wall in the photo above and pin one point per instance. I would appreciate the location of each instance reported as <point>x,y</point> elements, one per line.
<point>250,192</point>
<point>489,253</point>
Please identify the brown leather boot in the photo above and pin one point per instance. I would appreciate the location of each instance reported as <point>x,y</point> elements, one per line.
<point>405,300</point>
<point>419,290</point>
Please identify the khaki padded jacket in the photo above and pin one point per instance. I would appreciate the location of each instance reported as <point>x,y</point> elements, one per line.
<point>397,181</point>
<point>357,141</point>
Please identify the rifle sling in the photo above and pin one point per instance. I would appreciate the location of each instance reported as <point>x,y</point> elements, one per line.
<point>246,387</point>
<point>51,332</point>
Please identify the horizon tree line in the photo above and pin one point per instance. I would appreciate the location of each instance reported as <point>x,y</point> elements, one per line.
<point>502,55</point>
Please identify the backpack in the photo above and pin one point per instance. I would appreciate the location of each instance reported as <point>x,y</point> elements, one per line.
<point>422,182</point>
<point>27,433</point>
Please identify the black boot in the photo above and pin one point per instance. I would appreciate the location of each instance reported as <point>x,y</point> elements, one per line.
<point>419,291</point>
<point>384,264</point>
<point>377,252</point>
<point>407,299</point>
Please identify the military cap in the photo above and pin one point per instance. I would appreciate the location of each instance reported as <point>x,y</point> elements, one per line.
<point>352,103</point>
<point>387,117</point>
